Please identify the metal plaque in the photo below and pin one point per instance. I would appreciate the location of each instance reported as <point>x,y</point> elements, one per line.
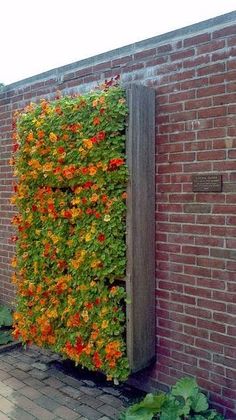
<point>207,183</point>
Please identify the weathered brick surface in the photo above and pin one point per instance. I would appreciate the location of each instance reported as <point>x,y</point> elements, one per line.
<point>194,75</point>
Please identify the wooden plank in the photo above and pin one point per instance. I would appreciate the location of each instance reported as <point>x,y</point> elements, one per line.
<point>140,275</point>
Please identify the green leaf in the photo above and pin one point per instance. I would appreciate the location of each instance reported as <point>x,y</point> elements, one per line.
<point>142,415</point>
<point>5,337</point>
<point>151,402</point>
<point>199,403</point>
<point>5,316</point>
<point>171,410</point>
<point>145,409</point>
<point>185,388</point>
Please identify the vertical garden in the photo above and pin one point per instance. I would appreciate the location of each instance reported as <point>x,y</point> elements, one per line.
<point>69,160</point>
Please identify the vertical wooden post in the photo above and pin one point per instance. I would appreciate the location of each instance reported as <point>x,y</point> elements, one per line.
<point>140,275</point>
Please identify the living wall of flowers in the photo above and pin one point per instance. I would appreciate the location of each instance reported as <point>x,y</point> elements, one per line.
<point>69,159</point>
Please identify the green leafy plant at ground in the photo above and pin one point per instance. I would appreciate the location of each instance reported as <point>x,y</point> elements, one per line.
<point>184,402</point>
<point>5,324</point>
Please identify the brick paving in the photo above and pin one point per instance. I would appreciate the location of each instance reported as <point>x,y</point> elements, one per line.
<point>32,387</point>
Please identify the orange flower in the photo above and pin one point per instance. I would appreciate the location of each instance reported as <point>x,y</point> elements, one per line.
<point>92,170</point>
<point>41,134</point>
<point>96,121</point>
<point>30,136</point>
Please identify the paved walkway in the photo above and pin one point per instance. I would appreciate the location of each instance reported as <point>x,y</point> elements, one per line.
<point>33,387</point>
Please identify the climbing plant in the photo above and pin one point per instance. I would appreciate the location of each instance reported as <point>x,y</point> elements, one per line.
<point>69,159</point>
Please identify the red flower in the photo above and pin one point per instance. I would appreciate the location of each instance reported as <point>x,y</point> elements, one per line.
<point>89,211</point>
<point>101,135</point>
<point>61,264</point>
<point>101,237</point>
<point>61,150</point>
<point>115,163</point>
<point>87,185</point>
<point>79,346</point>
<point>84,200</point>
<point>67,214</point>
<point>96,360</point>
<point>104,198</point>
<point>74,127</point>
<point>14,238</point>
<point>15,147</point>
<point>88,305</point>
<point>34,207</point>
<point>84,170</point>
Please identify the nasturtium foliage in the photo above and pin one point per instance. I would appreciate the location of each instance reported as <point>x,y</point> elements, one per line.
<point>69,159</point>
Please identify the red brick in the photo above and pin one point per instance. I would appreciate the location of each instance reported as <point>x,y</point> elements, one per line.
<point>182,96</point>
<point>230,30</point>
<point>214,68</point>
<point>164,48</point>
<point>224,99</point>
<point>198,61</point>
<point>198,103</point>
<point>180,55</point>
<point>224,339</point>
<point>184,75</point>
<point>210,46</point>
<point>209,345</point>
<point>212,112</point>
<point>198,39</point>
<point>210,91</point>
<point>144,54</point>
<point>213,133</point>
<point>211,326</point>
<point>210,219</point>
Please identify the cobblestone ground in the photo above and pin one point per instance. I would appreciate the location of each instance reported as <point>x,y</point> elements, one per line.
<point>32,387</point>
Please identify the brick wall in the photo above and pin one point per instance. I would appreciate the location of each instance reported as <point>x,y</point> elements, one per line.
<point>193,71</point>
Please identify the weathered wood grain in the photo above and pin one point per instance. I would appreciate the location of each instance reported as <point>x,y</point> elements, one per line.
<point>140,275</point>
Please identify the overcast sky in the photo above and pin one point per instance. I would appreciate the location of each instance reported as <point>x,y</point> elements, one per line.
<point>36,36</point>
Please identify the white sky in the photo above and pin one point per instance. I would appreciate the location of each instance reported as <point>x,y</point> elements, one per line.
<point>38,35</point>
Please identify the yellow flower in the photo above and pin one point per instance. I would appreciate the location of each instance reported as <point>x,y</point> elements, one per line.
<point>14,262</point>
<point>76,212</point>
<point>47,167</point>
<point>95,263</point>
<point>82,151</point>
<point>76,200</point>
<point>78,190</point>
<point>93,283</point>
<point>107,218</point>
<point>53,137</point>
<point>55,239</point>
<point>104,324</point>
<point>94,198</point>
<point>35,267</point>
<point>84,315</point>
<point>71,301</point>
<point>52,313</point>
<point>88,237</point>
<point>88,143</point>
<point>95,103</point>
<point>34,163</point>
